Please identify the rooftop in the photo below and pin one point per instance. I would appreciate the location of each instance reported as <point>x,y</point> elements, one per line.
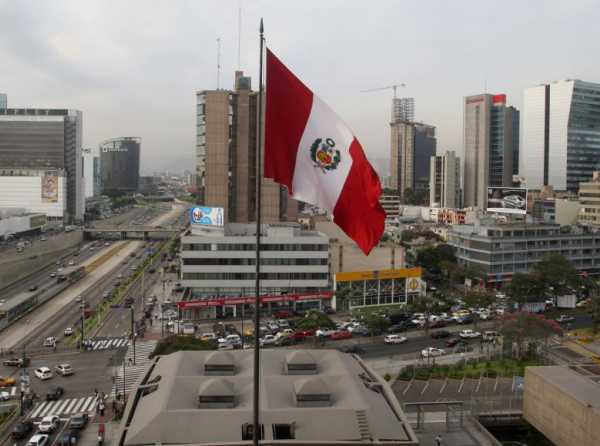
<point>313,396</point>
<point>570,382</point>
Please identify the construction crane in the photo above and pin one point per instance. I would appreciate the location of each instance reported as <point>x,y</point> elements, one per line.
<point>392,87</point>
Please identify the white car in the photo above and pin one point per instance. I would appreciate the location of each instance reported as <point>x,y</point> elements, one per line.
<point>48,424</point>
<point>231,339</point>
<point>43,373</point>
<point>71,262</point>
<point>68,331</point>
<point>394,339</point>
<point>268,340</point>
<point>469,334</point>
<point>50,342</point>
<point>38,440</point>
<point>324,333</point>
<point>4,396</point>
<point>64,369</point>
<point>431,352</point>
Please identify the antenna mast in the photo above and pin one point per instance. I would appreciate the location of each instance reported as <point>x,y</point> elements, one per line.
<point>218,63</point>
<point>239,64</point>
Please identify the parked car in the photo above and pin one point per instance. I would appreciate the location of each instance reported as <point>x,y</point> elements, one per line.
<point>469,334</point>
<point>431,352</point>
<point>64,369</point>
<point>394,339</point>
<point>465,319</point>
<point>452,342</point>
<point>48,424</point>
<point>341,334</point>
<point>33,288</point>
<point>54,393</point>
<point>564,318</point>
<point>439,334</point>
<point>397,328</point>
<point>79,421</point>
<point>268,340</point>
<point>68,331</point>
<point>438,323</point>
<point>43,373</point>
<point>49,342</point>
<point>38,440</point>
<point>53,275</point>
<point>22,429</point>
<point>300,335</point>
<point>280,314</point>
<point>16,362</point>
<point>324,332</point>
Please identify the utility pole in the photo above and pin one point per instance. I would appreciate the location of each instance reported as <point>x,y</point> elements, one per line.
<point>82,324</point>
<point>133,332</point>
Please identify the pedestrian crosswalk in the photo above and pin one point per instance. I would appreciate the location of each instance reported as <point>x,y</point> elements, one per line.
<point>127,375</point>
<point>107,343</point>
<point>66,407</point>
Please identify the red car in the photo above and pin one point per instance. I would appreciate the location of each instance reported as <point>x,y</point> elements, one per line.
<point>342,334</point>
<point>302,334</point>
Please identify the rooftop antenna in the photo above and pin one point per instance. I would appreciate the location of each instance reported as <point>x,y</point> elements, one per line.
<point>218,63</point>
<point>239,64</point>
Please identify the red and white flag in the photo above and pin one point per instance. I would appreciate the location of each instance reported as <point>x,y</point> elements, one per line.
<point>309,149</point>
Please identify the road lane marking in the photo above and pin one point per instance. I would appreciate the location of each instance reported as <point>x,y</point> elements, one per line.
<point>496,383</point>
<point>34,414</point>
<point>48,409</point>
<point>462,383</point>
<point>408,386</point>
<point>68,409</point>
<point>78,405</point>
<point>61,407</point>
<point>444,386</point>
<point>478,383</point>
<point>514,381</point>
<point>425,387</point>
<point>85,407</point>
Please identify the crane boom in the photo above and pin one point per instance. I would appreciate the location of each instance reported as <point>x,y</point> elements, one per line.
<point>389,87</point>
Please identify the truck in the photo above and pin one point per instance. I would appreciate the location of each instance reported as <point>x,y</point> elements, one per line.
<point>567,301</point>
<point>534,307</point>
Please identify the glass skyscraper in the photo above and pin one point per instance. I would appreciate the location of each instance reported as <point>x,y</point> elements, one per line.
<point>561,134</point>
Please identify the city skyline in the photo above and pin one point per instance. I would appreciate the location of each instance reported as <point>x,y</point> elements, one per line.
<point>117,77</point>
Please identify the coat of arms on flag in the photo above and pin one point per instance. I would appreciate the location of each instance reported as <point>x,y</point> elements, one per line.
<point>323,154</point>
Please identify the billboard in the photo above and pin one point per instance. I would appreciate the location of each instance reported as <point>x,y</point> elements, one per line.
<point>37,221</point>
<point>509,200</point>
<point>49,189</point>
<point>206,216</point>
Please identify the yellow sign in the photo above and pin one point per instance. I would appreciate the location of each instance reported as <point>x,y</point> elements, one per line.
<point>401,273</point>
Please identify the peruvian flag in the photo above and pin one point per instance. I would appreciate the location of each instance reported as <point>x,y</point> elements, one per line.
<point>310,150</point>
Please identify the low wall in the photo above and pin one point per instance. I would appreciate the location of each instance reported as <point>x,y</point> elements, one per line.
<point>15,266</point>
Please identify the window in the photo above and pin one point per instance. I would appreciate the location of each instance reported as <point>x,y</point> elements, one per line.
<point>212,399</point>
<point>248,432</point>
<point>309,367</point>
<point>284,431</point>
<point>219,369</point>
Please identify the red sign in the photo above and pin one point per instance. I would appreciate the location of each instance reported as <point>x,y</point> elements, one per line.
<point>499,99</point>
<point>235,300</point>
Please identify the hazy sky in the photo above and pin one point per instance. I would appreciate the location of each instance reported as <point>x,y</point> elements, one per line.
<point>132,67</point>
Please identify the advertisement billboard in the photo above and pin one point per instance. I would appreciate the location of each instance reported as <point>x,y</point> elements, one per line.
<point>206,216</point>
<point>37,221</point>
<point>508,200</point>
<point>49,189</point>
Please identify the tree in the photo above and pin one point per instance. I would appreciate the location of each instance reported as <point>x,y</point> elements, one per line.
<point>314,320</point>
<point>523,328</point>
<point>478,298</point>
<point>343,294</point>
<point>376,323</point>
<point>557,274</point>
<point>432,257</point>
<point>526,287</point>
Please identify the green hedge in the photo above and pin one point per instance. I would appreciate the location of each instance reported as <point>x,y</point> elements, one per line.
<point>176,343</point>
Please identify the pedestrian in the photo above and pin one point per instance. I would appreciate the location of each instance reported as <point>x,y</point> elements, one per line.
<point>438,440</point>
<point>95,393</point>
<point>101,407</point>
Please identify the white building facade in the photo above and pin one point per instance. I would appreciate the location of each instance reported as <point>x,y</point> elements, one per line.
<point>43,192</point>
<point>560,134</point>
<point>444,182</point>
<point>218,267</point>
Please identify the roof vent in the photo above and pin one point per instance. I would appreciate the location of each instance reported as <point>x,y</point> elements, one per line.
<point>300,362</point>
<point>312,392</point>
<point>216,393</point>
<point>219,363</point>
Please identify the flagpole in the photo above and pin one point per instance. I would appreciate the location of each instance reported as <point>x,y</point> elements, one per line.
<point>256,407</point>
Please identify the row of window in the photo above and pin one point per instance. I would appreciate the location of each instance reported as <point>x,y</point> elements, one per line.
<point>251,247</point>
<point>251,276</point>
<point>273,262</point>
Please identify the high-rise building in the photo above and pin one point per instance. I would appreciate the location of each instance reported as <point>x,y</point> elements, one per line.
<point>444,183</point>
<point>38,140</point>
<point>561,134</point>
<point>403,109</point>
<point>491,132</point>
<point>120,165</point>
<point>589,199</point>
<point>3,101</point>
<point>91,181</point>
<point>226,141</point>
<point>412,145</point>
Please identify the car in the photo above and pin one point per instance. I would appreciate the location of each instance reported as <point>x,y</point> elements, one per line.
<point>324,332</point>
<point>48,424</point>
<point>465,319</point>
<point>285,340</point>
<point>68,438</point>
<point>431,352</point>
<point>469,334</point>
<point>71,262</point>
<point>33,288</point>
<point>280,314</point>
<point>54,393</point>
<point>22,429</point>
<point>438,323</point>
<point>231,339</point>
<point>79,421</point>
<point>50,341</point>
<point>68,331</point>
<point>490,335</point>
<point>439,334</point>
<point>283,324</point>
<point>563,318</point>
<point>397,328</point>
<point>341,334</point>
<point>268,340</point>
<point>208,337</point>
<point>43,239</point>
<point>452,342</point>
<point>300,335</point>
<point>273,326</point>
<point>38,440</point>
<point>5,396</point>
<point>52,274</point>
<point>6,381</point>
<point>43,373</point>
<point>394,339</point>
<point>16,362</point>
<point>64,369</point>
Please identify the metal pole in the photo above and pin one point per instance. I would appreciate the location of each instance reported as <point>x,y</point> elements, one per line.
<point>123,381</point>
<point>133,333</point>
<point>82,323</point>
<point>256,407</point>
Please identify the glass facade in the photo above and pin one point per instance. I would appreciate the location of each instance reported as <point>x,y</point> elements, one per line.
<point>120,165</point>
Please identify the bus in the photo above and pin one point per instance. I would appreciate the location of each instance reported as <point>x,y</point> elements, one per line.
<point>71,273</point>
<point>15,307</point>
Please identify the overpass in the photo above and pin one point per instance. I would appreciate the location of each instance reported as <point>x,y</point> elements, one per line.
<point>132,232</point>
